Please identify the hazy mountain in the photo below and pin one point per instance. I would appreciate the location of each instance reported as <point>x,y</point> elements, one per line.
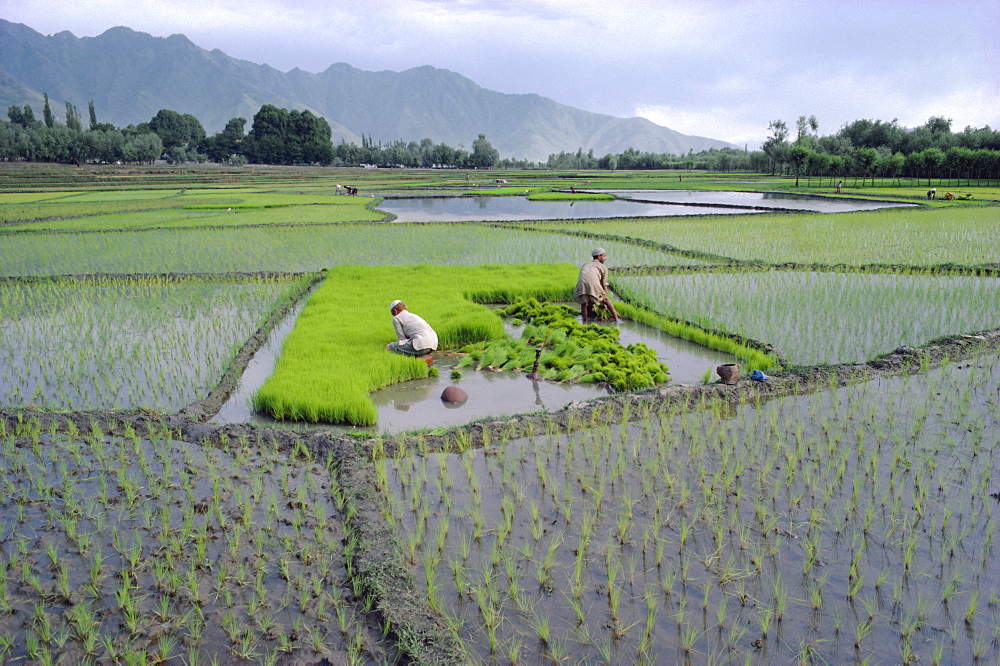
<point>131,75</point>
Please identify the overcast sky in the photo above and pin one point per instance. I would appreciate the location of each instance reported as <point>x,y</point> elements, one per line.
<point>715,68</point>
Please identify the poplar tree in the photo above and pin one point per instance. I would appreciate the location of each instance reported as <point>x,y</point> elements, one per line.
<point>47,112</point>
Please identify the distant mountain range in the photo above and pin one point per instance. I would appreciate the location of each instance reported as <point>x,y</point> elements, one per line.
<point>131,75</point>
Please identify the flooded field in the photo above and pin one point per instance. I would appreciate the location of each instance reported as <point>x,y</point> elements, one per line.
<point>846,525</point>
<point>844,511</point>
<point>506,209</point>
<point>756,200</point>
<point>158,550</point>
<point>632,203</point>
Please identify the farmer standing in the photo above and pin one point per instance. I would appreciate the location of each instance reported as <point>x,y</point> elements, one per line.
<point>592,285</point>
<point>416,337</point>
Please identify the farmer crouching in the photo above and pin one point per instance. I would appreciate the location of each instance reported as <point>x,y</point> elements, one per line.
<point>592,286</point>
<point>416,337</point>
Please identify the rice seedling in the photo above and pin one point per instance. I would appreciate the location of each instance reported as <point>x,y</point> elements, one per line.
<point>175,336</point>
<point>892,236</point>
<point>876,312</point>
<point>303,387</point>
<point>772,521</point>
<point>298,249</point>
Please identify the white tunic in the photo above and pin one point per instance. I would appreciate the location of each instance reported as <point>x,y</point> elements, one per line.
<point>413,328</point>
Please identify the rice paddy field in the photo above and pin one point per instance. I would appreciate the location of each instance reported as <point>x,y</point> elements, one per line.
<point>843,511</point>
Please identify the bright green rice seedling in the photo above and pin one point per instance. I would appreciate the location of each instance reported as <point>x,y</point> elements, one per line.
<point>570,196</point>
<point>742,497</point>
<point>336,354</point>
<point>570,351</point>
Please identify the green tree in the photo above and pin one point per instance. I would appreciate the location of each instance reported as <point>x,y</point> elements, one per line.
<point>47,116</point>
<point>798,155</point>
<point>934,159</point>
<point>776,145</point>
<point>484,155</point>
<point>22,116</point>
<point>959,161</point>
<point>177,130</point>
<point>266,141</point>
<point>938,124</point>
<point>73,118</point>
<point>227,143</point>
<point>309,136</point>
<point>894,166</point>
<point>866,159</point>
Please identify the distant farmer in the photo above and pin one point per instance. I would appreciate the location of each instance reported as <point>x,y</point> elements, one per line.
<point>840,184</point>
<point>416,337</point>
<point>948,196</point>
<point>592,286</point>
<point>931,193</point>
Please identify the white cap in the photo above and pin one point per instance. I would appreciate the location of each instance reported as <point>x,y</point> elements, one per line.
<point>392,306</point>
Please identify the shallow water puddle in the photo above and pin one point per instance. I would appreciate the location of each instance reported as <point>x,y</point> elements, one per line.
<point>417,404</point>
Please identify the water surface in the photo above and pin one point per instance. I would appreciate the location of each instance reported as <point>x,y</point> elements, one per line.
<point>632,203</point>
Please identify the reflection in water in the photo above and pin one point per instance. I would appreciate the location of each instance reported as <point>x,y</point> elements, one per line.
<point>633,203</point>
<point>499,209</point>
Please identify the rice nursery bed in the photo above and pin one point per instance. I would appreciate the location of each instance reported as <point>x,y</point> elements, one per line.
<point>818,318</point>
<point>155,550</point>
<point>335,356</point>
<point>847,525</point>
<point>302,249</point>
<point>956,234</point>
<point>118,343</point>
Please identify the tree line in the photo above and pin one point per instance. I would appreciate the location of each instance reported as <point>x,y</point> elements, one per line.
<point>278,136</point>
<point>862,150</point>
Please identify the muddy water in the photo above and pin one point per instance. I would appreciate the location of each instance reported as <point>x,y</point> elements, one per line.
<point>237,409</point>
<point>417,404</point>
<point>687,361</point>
<point>131,548</point>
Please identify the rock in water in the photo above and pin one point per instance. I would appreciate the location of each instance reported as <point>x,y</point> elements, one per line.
<point>454,394</point>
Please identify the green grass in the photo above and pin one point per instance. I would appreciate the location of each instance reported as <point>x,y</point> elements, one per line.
<point>570,196</point>
<point>335,356</point>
